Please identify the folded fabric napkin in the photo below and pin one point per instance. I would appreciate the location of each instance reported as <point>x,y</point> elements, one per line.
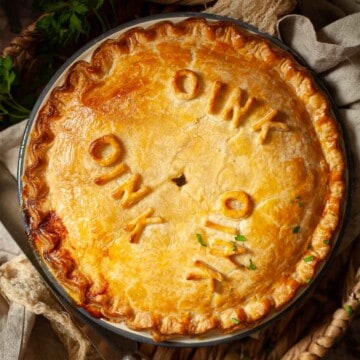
<point>333,52</point>
<point>327,37</point>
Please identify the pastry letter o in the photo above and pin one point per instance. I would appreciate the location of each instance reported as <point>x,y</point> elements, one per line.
<point>240,199</point>
<point>97,146</point>
<point>178,86</point>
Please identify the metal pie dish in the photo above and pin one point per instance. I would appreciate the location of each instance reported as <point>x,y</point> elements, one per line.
<point>213,337</point>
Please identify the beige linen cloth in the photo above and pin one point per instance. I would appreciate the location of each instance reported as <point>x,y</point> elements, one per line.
<point>327,35</point>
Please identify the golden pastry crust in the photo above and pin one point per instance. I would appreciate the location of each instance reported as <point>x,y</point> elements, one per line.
<point>188,178</point>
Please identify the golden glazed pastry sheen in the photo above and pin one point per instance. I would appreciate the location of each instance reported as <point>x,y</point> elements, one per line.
<point>188,178</point>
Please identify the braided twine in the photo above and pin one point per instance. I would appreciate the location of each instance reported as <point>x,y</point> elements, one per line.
<point>22,48</point>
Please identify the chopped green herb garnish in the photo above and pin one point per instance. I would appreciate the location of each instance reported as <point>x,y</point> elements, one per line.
<point>326,242</point>
<point>349,310</point>
<point>252,265</point>
<point>8,105</point>
<point>234,246</point>
<point>200,240</point>
<point>308,280</point>
<point>295,229</point>
<point>235,320</point>
<point>240,237</point>
<point>297,201</point>
<point>308,258</point>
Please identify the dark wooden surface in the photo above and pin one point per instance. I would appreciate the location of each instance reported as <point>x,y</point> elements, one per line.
<point>14,16</point>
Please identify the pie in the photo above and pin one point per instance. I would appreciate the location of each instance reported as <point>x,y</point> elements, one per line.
<point>188,179</point>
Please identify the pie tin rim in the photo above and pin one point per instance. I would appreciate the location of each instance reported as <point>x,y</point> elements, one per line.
<point>202,340</point>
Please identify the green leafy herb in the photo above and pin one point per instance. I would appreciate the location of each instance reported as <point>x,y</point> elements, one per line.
<point>326,242</point>
<point>349,310</point>
<point>66,21</point>
<point>297,201</point>
<point>240,237</point>
<point>8,105</point>
<point>251,265</point>
<point>308,280</point>
<point>295,229</point>
<point>200,240</point>
<point>234,246</point>
<point>235,320</point>
<point>309,258</point>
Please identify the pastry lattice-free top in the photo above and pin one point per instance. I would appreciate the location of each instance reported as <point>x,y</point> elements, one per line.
<point>188,178</point>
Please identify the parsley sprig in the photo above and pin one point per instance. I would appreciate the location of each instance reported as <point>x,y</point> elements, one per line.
<point>66,21</point>
<point>66,25</point>
<point>8,105</point>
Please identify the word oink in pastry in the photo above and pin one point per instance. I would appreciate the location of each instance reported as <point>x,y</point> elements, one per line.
<point>235,204</point>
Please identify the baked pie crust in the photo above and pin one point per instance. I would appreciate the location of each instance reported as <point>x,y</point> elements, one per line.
<point>188,178</point>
